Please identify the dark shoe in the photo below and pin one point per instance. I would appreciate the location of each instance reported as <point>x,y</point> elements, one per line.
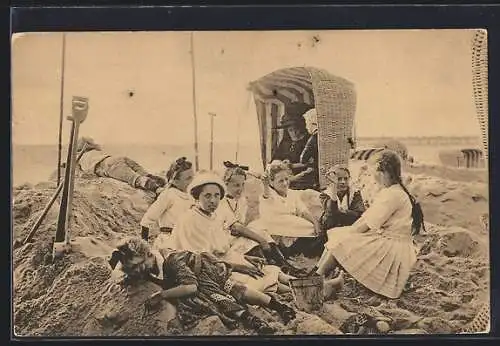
<point>151,185</point>
<point>158,180</point>
<point>145,233</point>
<point>256,252</point>
<point>286,313</point>
<point>253,322</point>
<point>275,256</point>
<point>288,269</point>
<point>312,272</point>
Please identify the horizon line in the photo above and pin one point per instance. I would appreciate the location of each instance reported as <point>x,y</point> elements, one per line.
<point>257,144</point>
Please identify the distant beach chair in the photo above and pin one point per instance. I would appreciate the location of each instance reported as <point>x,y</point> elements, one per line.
<point>466,158</point>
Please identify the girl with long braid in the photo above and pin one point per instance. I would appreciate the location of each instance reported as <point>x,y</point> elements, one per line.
<point>378,249</point>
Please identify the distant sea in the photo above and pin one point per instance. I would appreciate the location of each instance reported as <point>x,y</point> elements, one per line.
<point>35,163</point>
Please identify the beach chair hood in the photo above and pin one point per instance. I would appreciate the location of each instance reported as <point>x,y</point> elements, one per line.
<point>333,97</point>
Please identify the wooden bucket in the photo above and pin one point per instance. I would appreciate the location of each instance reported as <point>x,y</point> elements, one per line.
<point>308,293</point>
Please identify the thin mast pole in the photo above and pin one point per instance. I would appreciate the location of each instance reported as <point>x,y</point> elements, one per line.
<point>61,108</point>
<point>239,129</point>
<point>212,116</point>
<point>196,160</point>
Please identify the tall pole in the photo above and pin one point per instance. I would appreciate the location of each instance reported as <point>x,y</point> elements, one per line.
<point>61,108</point>
<point>196,160</point>
<point>239,128</point>
<point>212,116</point>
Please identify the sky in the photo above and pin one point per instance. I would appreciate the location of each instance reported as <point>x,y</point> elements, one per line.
<point>408,82</point>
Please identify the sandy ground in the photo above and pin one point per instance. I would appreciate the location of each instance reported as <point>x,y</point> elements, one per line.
<point>447,287</point>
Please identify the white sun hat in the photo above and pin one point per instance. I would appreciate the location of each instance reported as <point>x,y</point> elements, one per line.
<point>207,177</point>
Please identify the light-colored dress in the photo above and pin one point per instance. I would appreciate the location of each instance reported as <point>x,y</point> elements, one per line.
<point>281,217</point>
<point>198,232</point>
<point>165,211</point>
<point>382,257</point>
<point>231,211</point>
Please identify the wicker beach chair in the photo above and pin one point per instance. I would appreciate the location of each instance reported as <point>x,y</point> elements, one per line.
<point>333,97</point>
<point>480,83</point>
<point>481,322</point>
<point>465,158</point>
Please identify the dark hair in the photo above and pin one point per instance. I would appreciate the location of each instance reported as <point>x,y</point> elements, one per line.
<point>388,161</point>
<point>276,167</point>
<point>178,166</point>
<point>233,169</point>
<point>342,168</point>
<point>196,191</point>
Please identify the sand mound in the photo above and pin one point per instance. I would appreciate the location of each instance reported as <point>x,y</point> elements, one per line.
<point>73,296</point>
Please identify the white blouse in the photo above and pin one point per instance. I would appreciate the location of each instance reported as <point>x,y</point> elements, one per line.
<point>232,210</point>
<point>168,207</point>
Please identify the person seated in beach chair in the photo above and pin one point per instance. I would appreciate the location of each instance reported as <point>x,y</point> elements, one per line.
<point>282,213</point>
<point>172,202</point>
<point>97,162</point>
<point>200,229</point>
<point>304,175</point>
<point>309,155</point>
<point>378,249</point>
<point>198,284</point>
<point>233,212</point>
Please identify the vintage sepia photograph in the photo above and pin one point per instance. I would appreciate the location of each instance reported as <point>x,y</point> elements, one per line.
<point>245,183</point>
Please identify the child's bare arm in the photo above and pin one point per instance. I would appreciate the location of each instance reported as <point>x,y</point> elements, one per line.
<point>180,291</point>
<point>243,231</point>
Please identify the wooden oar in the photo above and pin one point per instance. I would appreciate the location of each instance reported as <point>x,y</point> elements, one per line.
<point>78,116</point>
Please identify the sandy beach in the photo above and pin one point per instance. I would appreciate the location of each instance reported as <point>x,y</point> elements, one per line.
<point>447,287</point>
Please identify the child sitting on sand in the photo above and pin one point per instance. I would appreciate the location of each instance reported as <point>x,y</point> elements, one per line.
<point>282,213</point>
<point>200,230</point>
<point>232,211</point>
<point>342,205</point>
<point>378,249</point>
<point>95,161</point>
<point>342,202</point>
<point>171,203</point>
<point>199,284</point>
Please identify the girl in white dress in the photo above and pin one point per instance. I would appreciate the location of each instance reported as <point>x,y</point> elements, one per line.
<point>171,203</point>
<point>233,211</point>
<point>282,213</point>
<point>200,230</point>
<point>378,249</point>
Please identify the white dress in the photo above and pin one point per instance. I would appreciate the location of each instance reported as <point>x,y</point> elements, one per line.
<point>231,211</point>
<point>382,257</point>
<point>165,211</point>
<point>281,217</point>
<point>198,232</point>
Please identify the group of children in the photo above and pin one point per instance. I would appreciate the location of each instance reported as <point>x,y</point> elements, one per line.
<point>210,260</point>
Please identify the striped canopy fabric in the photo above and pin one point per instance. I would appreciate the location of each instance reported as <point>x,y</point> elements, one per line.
<point>365,154</point>
<point>333,97</point>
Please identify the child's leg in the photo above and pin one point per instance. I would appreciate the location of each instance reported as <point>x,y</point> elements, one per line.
<point>326,263</point>
<point>334,285</point>
<point>284,278</point>
<point>282,288</point>
<point>254,297</point>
